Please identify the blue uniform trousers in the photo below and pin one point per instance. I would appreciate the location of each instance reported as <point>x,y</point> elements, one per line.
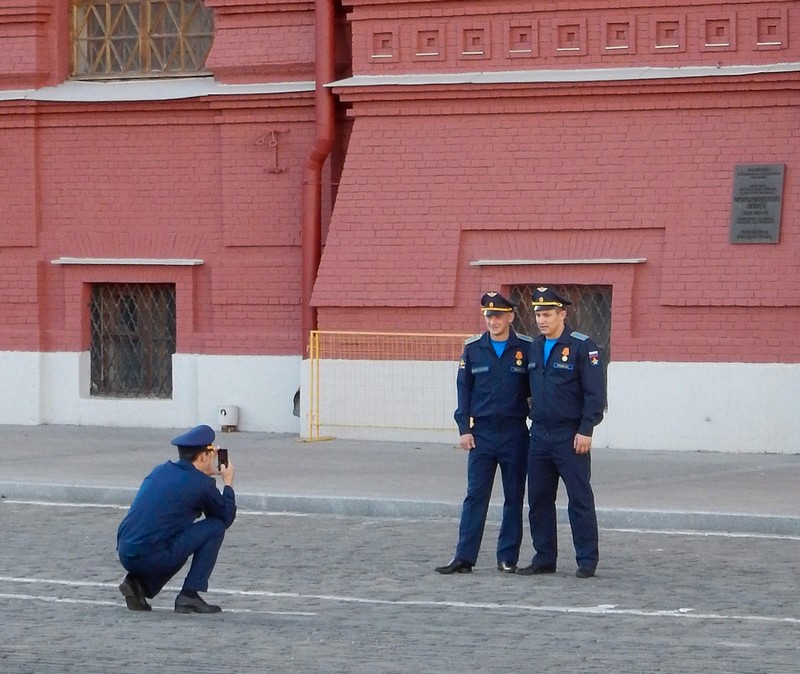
<point>201,541</point>
<point>499,442</point>
<point>551,456</point>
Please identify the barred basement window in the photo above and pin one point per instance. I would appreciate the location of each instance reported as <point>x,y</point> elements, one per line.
<point>589,313</point>
<point>133,339</point>
<point>140,38</point>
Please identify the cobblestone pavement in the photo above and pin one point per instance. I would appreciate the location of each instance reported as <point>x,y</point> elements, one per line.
<point>327,593</point>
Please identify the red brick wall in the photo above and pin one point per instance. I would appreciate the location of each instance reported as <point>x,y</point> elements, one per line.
<point>433,177</point>
<point>425,194</point>
<point>437,177</point>
<point>24,26</point>
<point>177,181</point>
<point>196,179</point>
<point>257,41</point>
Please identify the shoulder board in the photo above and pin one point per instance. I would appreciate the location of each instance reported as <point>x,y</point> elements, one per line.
<point>525,338</point>
<point>579,335</point>
<point>472,339</point>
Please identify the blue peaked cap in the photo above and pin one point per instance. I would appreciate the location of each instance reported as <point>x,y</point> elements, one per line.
<point>199,436</point>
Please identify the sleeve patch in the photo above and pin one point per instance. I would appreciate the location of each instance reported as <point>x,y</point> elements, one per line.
<point>594,357</point>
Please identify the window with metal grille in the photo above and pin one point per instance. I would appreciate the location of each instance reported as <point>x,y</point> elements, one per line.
<point>589,313</point>
<point>133,339</point>
<point>140,38</point>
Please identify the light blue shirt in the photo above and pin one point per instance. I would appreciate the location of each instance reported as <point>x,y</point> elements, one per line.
<point>548,347</point>
<point>499,347</point>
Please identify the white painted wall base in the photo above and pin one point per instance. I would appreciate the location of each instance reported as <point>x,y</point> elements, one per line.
<point>53,388</point>
<point>718,407</point>
<point>724,407</point>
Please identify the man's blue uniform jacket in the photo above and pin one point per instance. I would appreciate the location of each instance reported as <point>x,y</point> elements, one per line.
<point>170,499</point>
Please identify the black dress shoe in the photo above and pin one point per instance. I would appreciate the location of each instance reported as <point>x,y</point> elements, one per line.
<point>133,591</point>
<point>456,566</point>
<point>186,604</point>
<point>535,570</point>
<point>585,572</point>
<point>506,567</point>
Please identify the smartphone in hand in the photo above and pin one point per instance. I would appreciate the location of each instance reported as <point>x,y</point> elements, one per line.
<point>222,458</point>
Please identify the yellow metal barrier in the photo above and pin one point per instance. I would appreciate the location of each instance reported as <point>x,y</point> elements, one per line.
<point>382,380</point>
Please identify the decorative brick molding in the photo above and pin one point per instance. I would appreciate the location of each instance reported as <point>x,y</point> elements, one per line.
<point>719,32</point>
<point>262,40</point>
<point>34,12</point>
<point>25,37</point>
<point>474,40</point>
<point>522,38</point>
<point>259,6</point>
<point>393,40</point>
<point>619,35</point>
<point>771,30</point>
<point>570,37</point>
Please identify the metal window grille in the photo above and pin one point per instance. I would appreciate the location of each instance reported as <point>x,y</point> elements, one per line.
<point>590,312</point>
<point>147,38</point>
<point>132,339</point>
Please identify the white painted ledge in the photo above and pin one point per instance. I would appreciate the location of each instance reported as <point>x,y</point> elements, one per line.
<point>129,261</point>
<point>512,263</point>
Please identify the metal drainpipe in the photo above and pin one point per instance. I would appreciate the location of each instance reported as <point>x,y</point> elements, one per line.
<point>311,231</point>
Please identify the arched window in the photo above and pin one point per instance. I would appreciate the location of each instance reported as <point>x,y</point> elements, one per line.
<point>140,38</point>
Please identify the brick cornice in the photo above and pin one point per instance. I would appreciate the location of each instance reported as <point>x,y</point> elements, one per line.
<point>750,91</point>
<point>516,6</point>
<point>33,12</point>
<point>259,6</point>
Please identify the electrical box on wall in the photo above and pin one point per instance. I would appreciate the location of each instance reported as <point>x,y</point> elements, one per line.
<point>228,417</point>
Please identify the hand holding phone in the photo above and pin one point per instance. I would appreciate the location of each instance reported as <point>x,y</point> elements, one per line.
<point>222,457</point>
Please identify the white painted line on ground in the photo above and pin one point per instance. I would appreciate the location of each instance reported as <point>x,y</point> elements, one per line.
<point>671,532</point>
<point>601,609</point>
<point>111,506</point>
<point>57,504</point>
<point>115,604</point>
<point>722,534</point>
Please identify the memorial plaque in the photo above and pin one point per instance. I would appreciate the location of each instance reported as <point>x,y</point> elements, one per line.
<point>756,208</point>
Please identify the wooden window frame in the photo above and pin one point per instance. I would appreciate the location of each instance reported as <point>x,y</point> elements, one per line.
<point>115,39</point>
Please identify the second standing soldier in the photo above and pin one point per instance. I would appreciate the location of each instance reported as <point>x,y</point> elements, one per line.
<point>493,395</point>
<point>568,397</point>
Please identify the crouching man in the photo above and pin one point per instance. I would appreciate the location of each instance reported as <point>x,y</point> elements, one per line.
<point>162,530</point>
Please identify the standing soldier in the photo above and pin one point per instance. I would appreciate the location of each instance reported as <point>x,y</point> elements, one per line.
<point>568,396</point>
<point>493,395</point>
